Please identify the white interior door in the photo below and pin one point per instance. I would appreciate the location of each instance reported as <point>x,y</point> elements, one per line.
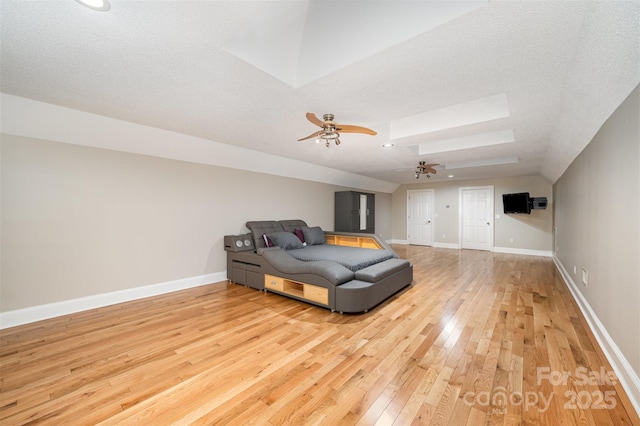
<point>420,217</point>
<point>476,218</point>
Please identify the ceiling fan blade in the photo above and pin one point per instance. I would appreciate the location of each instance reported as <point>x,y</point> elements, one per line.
<point>348,128</point>
<point>313,135</point>
<point>314,119</point>
<point>430,170</point>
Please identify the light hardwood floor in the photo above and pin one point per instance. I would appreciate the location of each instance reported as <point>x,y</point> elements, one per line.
<point>479,338</point>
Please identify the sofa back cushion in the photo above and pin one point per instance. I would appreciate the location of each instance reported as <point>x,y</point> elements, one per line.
<point>260,227</point>
<point>314,235</point>
<point>285,240</point>
<point>292,224</point>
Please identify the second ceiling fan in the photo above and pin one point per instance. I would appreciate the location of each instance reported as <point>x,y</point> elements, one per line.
<point>331,130</point>
<point>424,169</point>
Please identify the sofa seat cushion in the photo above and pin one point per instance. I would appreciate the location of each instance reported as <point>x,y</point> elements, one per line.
<point>354,258</point>
<point>379,271</point>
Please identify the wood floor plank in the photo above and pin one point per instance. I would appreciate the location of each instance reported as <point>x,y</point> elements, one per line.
<point>479,338</point>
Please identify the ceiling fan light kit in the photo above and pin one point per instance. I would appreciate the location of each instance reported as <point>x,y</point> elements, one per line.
<point>331,130</point>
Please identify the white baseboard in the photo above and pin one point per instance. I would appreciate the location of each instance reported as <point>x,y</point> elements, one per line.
<point>628,377</point>
<point>528,252</point>
<point>65,307</point>
<point>509,250</point>
<point>405,242</point>
<point>447,245</point>
<point>435,244</point>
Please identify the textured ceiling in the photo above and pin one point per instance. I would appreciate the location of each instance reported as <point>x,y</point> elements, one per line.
<point>562,66</point>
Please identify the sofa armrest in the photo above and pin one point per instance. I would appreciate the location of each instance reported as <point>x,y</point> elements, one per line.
<point>285,264</point>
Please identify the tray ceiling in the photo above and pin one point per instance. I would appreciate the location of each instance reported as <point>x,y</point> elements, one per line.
<point>464,84</point>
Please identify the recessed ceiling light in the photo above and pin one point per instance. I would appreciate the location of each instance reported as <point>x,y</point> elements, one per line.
<point>450,176</point>
<point>99,5</point>
<point>387,145</point>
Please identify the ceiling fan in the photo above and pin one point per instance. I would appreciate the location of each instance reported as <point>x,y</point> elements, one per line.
<point>424,169</point>
<point>331,130</point>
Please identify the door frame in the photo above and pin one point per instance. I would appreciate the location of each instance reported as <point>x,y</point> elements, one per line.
<point>491,189</point>
<point>432,220</point>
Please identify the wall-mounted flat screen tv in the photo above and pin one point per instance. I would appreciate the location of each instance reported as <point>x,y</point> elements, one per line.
<point>516,203</point>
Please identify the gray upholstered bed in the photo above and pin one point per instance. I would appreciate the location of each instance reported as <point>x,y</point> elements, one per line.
<point>353,258</point>
<point>340,271</point>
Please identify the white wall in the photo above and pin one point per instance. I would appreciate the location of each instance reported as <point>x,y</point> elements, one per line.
<point>597,216</point>
<point>79,221</point>
<point>530,233</point>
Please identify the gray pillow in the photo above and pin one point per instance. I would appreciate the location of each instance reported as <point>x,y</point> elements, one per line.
<point>285,240</point>
<point>313,235</point>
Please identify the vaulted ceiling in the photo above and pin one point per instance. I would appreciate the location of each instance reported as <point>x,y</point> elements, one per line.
<point>485,89</point>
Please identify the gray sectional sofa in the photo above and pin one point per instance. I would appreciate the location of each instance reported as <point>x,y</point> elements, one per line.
<point>341,271</point>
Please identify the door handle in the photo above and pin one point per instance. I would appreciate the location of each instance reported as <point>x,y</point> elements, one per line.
<point>488,223</point>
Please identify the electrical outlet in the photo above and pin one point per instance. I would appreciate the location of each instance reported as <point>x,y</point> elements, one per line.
<point>510,240</point>
<point>585,277</point>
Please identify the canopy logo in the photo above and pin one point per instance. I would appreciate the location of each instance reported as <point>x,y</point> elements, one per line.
<point>499,399</point>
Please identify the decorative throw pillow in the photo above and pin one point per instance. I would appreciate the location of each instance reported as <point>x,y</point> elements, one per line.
<point>285,240</point>
<point>314,235</point>
<point>299,234</point>
<point>267,240</point>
